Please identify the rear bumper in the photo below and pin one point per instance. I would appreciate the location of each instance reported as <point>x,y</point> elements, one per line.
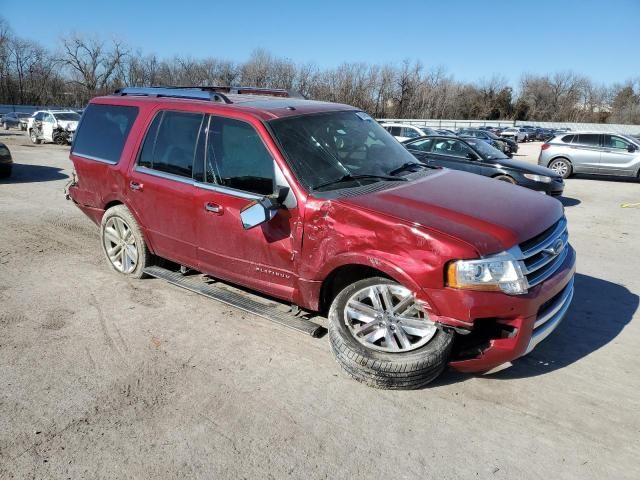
<point>95,214</point>
<point>521,322</point>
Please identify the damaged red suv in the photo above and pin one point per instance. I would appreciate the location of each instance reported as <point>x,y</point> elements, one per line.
<point>316,204</point>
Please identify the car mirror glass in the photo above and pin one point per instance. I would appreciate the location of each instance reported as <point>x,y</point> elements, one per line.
<point>257,212</point>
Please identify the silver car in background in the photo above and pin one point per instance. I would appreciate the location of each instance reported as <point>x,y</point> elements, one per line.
<point>591,152</point>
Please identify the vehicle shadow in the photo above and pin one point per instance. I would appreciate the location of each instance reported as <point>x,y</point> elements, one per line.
<point>607,178</point>
<point>599,312</point>
<point>24,173</point>
<point>569,202</point>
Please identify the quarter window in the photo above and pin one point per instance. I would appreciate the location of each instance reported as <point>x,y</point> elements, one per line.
<point>237,158</point>
<point>103,131</point>
<point>170,143</point>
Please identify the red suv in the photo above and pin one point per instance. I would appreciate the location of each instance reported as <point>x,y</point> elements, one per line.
<point>316,204</point>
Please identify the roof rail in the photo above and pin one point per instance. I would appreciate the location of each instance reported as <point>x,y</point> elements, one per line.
<point>213,93</point>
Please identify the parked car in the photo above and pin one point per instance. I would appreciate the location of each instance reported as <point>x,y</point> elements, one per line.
<point>514,133</point>
<point>506,145</point>
<point>444,131</point>
<point>403,132</point>
<point>544,134</point>
<point>6,162</point>
<point>530,132</point>
<point>316,204</point>
<point>476,156</point>
<point>15,120</point>
<point>56,126</point>
<point>592,152</point>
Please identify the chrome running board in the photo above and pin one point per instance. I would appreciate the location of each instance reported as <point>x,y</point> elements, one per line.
<point>196,284</point>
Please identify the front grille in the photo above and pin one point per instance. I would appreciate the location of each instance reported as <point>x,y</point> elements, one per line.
<point>543,254</point>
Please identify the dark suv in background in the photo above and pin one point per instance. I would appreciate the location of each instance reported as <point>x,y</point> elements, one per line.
<point>317,205</point>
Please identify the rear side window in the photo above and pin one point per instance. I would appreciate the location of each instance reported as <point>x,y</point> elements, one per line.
<point>103,132</point>
<point>170,143</point>
<point>588,140</point>
<point>568,138</point>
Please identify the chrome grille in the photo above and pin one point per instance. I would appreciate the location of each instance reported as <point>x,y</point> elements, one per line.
<point>541,256</point>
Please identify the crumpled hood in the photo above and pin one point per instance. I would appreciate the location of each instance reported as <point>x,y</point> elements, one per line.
<point>68,124</point>
<point>490,215</point>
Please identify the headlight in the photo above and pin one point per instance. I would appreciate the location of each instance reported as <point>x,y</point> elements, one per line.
<point>500,272</point>
<point>537,178</point>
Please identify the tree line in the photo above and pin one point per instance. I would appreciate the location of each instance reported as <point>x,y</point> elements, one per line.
<point>81,67</point>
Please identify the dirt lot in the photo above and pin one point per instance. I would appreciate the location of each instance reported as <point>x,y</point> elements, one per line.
<point>102,377</point>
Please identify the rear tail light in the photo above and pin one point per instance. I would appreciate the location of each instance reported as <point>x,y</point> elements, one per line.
<point>544,146</point>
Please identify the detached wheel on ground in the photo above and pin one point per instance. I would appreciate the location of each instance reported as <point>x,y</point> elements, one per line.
<point>561,166</point>
<point>123,243</point>
<point>34,138</point>
<point>381,337</point>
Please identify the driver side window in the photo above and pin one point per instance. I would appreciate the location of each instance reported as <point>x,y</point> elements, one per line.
<point>617,143</point>
<point>453,148</point>
<point>237,158</point>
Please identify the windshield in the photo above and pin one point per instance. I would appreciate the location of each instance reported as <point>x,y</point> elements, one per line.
<point>486,151</point>
<point>324,148</point>
<point>73,116</point>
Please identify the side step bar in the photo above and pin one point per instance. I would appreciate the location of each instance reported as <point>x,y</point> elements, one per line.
<point>268,312</point>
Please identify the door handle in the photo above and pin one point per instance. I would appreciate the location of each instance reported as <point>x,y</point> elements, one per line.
<point>213,208</point>
<point>136,186</point>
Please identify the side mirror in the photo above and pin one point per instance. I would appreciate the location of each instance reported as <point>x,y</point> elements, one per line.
<point>258,212</point>
<point>631,148</point>
<point>472,156</point>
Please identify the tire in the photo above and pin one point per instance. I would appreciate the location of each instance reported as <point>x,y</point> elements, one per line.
<point>561,166</point>
<point>34,139</point>
<point>505,178</point>
<point>118,227</point>
<point>412,368</point>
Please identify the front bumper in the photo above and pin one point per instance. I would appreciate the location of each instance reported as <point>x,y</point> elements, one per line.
<point>554,188</point>
<point>518,323</point>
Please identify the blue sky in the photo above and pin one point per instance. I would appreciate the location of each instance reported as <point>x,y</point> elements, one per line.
<point>470,39</point>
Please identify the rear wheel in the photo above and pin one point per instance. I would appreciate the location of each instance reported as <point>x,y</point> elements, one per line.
<point>561,166</point>
<point>123,243</point>
<point>381,337</point>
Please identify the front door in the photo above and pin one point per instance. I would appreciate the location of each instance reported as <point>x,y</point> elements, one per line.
<point>238,169</point>
<point>47,127</point>
<point>161,187</point>
<point>616,159</point>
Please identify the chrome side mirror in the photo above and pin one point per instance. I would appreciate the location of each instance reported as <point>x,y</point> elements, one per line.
<point>258,212</point>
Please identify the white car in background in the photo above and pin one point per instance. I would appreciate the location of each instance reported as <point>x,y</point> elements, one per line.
<point>515,133</point>
<point>43,125</point>
<point>402,131</point>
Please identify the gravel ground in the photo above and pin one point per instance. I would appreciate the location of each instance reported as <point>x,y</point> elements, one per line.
<point>103,377</point>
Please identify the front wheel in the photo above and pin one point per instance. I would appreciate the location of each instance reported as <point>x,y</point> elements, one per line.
<point>505,178</point>
<point>381,337</point>
<point>123,243</point>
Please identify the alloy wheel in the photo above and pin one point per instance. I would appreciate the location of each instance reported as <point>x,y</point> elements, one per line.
<point>387,318</point>
<point>120,245</point>
<point>560,168</point>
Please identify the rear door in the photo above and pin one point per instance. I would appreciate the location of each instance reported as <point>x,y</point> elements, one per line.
<point>240,168</point>
<point>616,159</point>
<point>585,152</point>
<point>161,187</point>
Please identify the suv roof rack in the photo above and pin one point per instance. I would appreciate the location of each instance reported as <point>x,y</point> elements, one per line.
<point>213,94</point>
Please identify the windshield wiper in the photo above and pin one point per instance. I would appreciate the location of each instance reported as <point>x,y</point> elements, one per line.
<point>407,166</point>
<point>349,177</point>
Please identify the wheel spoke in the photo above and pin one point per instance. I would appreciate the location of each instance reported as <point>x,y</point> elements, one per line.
<point>402,337</point>
<point>389,340</point>
<point>111,234</point>
<point>416,327</point>
<point>366,328</point>
<point>132,253</point>
<point>404,305</point>
<point>362,309</point>
<point>375,299</point>
<point>114,252</point>
<point>375,335</point>
<point>386,297</point>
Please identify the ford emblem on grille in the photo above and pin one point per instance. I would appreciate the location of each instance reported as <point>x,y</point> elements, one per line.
<point>556,248</point>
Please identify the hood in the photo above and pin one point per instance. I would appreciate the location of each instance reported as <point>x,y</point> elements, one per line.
<point>489,215</point>
<point>68,124</point>
<point>524,167</point>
